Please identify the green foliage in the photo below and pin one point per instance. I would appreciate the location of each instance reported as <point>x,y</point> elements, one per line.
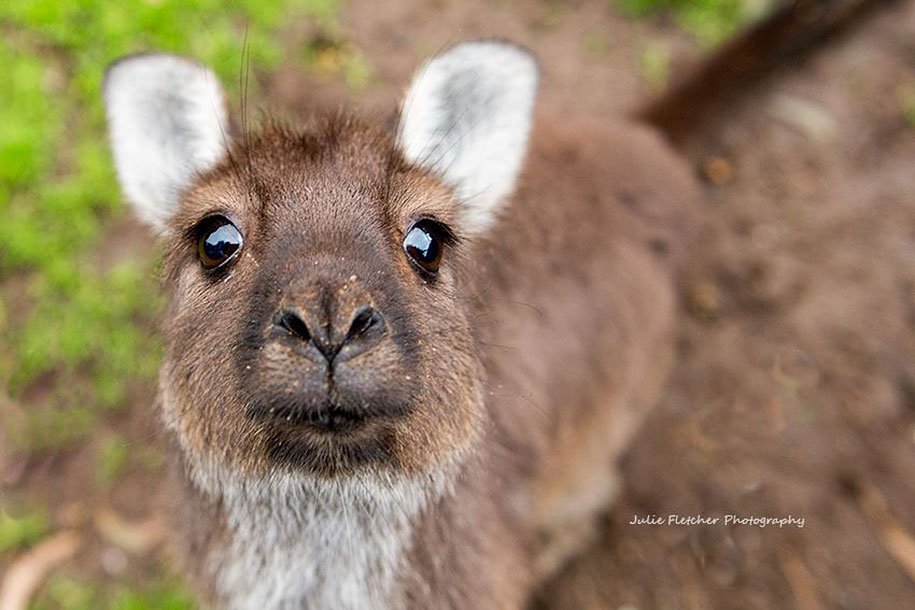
<point>654,65</point>
<point>76,323</point>
<point>710,21</point>
<point>18,532</point>
<point>595,43</point>
<point>63,593</point>
<point>155,598</point>
<point>67,594</point>
<point>330,57</point>
<point>112,460</point>
<point>906,96</point>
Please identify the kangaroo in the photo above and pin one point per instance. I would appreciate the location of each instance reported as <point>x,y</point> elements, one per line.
<point>401,364</point>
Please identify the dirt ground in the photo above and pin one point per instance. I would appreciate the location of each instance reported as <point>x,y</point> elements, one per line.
<point>794,391</point>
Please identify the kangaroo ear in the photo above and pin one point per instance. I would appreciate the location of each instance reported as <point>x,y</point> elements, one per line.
<point>466,117</point>
<point>167,122</point>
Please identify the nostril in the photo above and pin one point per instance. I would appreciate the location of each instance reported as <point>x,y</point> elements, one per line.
<point>366,318</point>
<point>292,322</point>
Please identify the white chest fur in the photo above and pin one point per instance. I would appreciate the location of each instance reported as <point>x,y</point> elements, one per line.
<point>295,543</point>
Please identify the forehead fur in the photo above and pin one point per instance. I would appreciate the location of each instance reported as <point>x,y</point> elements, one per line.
<point>325,171</point>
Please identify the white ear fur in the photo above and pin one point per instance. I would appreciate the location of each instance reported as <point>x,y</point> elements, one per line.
<point>167,122</point>
<point>467,116</point>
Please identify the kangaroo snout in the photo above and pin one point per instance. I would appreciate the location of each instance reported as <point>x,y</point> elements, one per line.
<point>323,349</point>
<point>336,338</point>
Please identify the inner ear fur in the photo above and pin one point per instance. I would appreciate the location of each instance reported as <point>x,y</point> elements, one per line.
<point>167,122</point>
<point>466,117</point>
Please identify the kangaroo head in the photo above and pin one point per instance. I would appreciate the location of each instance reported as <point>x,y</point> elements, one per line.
<point>319,279</point>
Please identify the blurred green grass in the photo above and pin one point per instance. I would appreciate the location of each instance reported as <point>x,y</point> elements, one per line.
<point>17,532</point>
<point>710,21</point>
<point>70,594</point>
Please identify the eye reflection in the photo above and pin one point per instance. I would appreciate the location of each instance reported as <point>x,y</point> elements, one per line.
<point>218,241</point>
<point>423,244</point>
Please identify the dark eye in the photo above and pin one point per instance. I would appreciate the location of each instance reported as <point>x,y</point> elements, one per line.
<point>423,244</point>
<point>218,241</point>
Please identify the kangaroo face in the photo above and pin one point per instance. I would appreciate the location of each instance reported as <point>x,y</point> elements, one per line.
<point>317,320</point>
<point>318,278</point>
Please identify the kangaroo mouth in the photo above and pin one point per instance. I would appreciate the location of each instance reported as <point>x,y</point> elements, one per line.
<point>330,441</point>
<point>330,419</point>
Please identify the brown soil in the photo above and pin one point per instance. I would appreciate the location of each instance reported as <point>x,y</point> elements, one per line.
<point>795,388</point>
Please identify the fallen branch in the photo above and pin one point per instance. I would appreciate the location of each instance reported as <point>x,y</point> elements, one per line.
<point>803,584</point>
<point>896,540</point>
<point>137,538</point>
<point>27,573</point>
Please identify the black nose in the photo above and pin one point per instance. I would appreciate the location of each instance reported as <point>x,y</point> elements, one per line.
<point>363,332</point>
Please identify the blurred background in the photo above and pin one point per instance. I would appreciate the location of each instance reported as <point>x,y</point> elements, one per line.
<point>795,389</point>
